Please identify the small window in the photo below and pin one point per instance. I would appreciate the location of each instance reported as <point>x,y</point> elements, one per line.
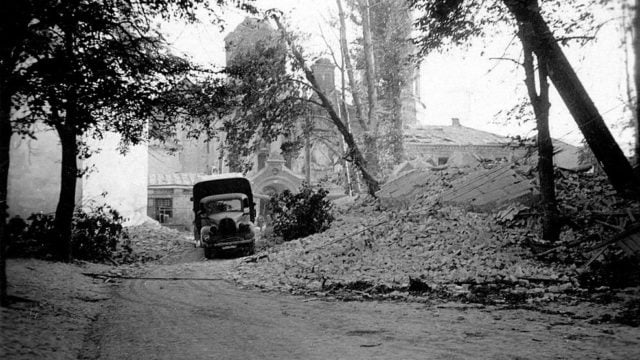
<point>442,160</point>
<point>163,210</point>
<point>262,160</point>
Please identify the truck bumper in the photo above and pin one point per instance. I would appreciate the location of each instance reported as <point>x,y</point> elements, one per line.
<point>230,244</point>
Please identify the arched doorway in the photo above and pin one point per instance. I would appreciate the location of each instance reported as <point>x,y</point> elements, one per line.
<point>269,191</point>
<point>273,179</point>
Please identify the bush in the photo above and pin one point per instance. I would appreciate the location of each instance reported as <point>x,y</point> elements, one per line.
<point>96,235</point>
<point>302,214</point>
<point>31,239</point>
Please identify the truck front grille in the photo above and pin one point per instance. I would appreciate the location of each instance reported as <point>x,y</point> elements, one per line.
<point>227,227</point>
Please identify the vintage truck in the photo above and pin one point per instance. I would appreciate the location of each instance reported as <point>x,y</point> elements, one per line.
<point>224,215</point>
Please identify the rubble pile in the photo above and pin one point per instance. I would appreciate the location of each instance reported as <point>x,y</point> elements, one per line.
<point>591,203</point>
<point>591,213</point>
<point>490,188</point>
<point>151,241</point>
<point>404,188</point>
<point>445,250</point>
<point>423,248</point>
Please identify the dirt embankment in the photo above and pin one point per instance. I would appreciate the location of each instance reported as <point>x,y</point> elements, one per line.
<point>54,304</point>
<point>182,307</point>
<point>53,307</point>
<point>201,316</point>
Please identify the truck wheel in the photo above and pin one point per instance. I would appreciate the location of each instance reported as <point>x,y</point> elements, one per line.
<point>250,250</point>
<point>209,253</point>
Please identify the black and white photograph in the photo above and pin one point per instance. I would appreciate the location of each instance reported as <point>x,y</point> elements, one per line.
<point>319,179</point>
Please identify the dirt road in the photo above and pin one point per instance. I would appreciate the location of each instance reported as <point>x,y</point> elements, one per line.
<point>212,319</point>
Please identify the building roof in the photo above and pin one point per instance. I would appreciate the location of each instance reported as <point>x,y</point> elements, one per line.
<point>187,179</point>
<point>567,156</point>
<point>231,175</point>
<point>175,179</point>
<point>454,134</point>
<point>487,189</point>
<point>249,25</point>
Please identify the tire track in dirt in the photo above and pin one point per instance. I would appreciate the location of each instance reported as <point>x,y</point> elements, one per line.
<point>180,319</point>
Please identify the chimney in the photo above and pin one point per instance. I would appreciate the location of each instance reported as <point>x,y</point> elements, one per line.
<point>455,122</point>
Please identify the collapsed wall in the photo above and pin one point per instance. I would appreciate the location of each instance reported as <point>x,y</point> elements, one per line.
<point>477,190</point>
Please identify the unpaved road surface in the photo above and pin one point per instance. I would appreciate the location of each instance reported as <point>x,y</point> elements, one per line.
<point>213,319</point>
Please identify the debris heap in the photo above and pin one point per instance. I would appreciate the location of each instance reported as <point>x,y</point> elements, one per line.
<point>422,246</point>
<point>151,241</point>
<point>446,249</point>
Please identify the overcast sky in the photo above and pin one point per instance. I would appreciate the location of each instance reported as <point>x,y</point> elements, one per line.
<point>466,84</point>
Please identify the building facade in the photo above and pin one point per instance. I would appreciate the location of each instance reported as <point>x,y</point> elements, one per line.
<point>457,145</point>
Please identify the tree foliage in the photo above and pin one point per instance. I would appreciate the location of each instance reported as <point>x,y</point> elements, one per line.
<point>302,214</point>
<point>267,91</point>
<point>391,26</point>
<point>454,23</point>
<point>83,67</point>
<point>457,21</point>
<point>97,235</point>
<point>266,99</point>
<point>390,55</point>
<point>101,71</point>
<point>353,154</point>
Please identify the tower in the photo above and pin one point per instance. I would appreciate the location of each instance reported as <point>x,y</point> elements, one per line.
<point>324,71</point>
<point>246,35</point>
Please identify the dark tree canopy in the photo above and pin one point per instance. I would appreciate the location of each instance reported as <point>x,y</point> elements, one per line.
<point>96,66</point>
<point>84,67</point>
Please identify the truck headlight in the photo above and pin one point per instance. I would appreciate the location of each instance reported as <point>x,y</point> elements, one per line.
<point>245,230</point>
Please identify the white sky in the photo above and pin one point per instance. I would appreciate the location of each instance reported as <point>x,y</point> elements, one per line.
<point>456,84</point>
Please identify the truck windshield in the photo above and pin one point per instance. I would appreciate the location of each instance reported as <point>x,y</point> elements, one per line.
<point>214,207</point>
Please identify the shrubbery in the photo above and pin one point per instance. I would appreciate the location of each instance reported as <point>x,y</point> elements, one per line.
<point>302,214</point>
<point>97,235</point>
<point>32,238</point>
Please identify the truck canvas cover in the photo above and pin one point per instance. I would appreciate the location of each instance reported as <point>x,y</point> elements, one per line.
<point>222,184</point>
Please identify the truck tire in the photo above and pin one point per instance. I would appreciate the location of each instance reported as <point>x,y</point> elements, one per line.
<point>250,250</point>
<point>209,253</point>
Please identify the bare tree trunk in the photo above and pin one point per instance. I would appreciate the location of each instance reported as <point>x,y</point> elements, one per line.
<point>636,77</point>
<point>631,102</point>
<point>66,202</point>
<point>551,220</point>
<point>346,59</point>
<point>575,97</point>
<point>347,122</point>
<point>391,28</point>
<point>540,104</point>
<point>354,155</point>
<point>307,149</point>
<point>397,132</point>
<point>370,136</point>
<point>5,147</point>
<point>347,62</point>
